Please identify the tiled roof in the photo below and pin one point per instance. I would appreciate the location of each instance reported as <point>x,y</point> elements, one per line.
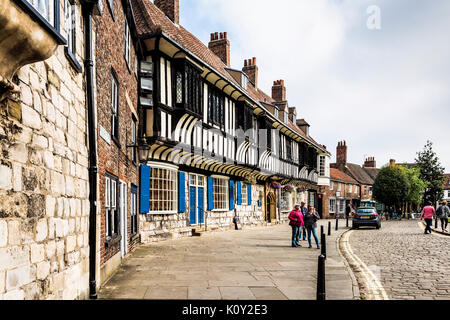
<point>150,19</point>
<point>336,174</point>
<point>372,172</point>
<point>359,174</point>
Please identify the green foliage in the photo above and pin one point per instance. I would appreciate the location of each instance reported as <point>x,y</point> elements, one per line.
<point>431,172</point>
<point>391,185</point>
<point>416,186</point>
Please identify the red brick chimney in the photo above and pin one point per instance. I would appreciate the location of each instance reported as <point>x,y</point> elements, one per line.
<point>220,45</point>
<point>370,163</point>
<point>293,115</point>
<point>251,70</point>
<point>341,155</point>
<point>171,8</point>
<point>279,91</point>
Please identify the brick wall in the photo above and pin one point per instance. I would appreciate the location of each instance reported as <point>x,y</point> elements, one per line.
<point>114,158</point>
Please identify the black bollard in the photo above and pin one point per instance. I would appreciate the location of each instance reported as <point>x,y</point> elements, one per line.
<point>321,231</point>
<point>321,294</point>
<point>337,223</point>
<point>323,243</point>
<point>329,228</point>
<point>436,223</point>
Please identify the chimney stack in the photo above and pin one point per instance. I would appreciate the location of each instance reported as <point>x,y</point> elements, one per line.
<point>171,8</point>
<point>293,115</point>
<point>251,70</point>
<point>392,162</point>
<point>220,45</point>
<point>341,155</point>
<point>279,91</point>
<point>370,163</point>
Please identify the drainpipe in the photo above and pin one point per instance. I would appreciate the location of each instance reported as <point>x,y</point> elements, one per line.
<point>93,168</point>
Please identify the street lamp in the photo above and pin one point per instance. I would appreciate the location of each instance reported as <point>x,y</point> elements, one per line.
<point>143,149</point>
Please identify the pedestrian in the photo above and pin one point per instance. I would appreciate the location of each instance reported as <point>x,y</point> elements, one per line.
<point>427,213</point>
<point>400,213</point>
<point>390,212</point>
<point>296,222</point>
<point>310,221</point>
<point>443,212</point>
<point>302,232</point>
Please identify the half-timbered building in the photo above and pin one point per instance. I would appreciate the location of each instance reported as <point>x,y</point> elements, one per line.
<point>215,149</point>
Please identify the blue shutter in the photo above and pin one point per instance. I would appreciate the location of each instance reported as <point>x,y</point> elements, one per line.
<point>210,194</point>
<point>144,199</point>
<point>239,193</point>
<point>181,192</point>
<point>249,190</point>
<point>231,195</point>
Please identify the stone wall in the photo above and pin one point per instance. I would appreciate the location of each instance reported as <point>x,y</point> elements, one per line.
<point>44,206</point>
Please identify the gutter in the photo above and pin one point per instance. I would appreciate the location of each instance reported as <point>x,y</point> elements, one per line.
<point>88,8</point>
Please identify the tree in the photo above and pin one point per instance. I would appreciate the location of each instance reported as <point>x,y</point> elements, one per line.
<point>391,185</point>
<point>431,172</point>
<point>416,187</point>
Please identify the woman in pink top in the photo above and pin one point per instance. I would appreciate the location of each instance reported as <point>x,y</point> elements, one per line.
<point>428,213</point>
<point>296,221</point>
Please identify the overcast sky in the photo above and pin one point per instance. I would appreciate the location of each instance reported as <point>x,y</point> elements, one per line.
<point>385,91</point>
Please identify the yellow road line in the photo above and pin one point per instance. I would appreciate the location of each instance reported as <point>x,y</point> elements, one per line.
<point>373,284</point>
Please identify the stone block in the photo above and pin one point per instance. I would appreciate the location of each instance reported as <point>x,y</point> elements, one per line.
<point>14,295</point>
<point>37,102</point>
<point>39,141</point>
<point>18,153</point>
<point>17,177</point>
<point>3,233</point>
<point>71,243</point>
<point>66,208</point>
<point>50,206</point>
<point>60,248</point>
<point>71,226</point>
<point>60,208</point>
<point>14,237</point>
<point>31,118</point>
<point>37,253</point>
<point>14,257</point>
<point>41,230</point>
<point>50,250</point>
<point>26,96</point>
<point>6,177</point>
<point>42,270</point>
<point>61,228</point>
<point>2,282</point>
<point>57,183</point>
<point>17,278</point>
<point>70,189</point>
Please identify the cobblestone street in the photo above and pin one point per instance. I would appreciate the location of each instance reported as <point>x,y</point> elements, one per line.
<point>409,264</point>
<point>256,263</point>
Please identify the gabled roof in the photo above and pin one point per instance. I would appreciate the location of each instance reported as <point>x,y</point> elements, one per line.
<point>359,174</point>
<point>337,174</point>
<point>150,19</point>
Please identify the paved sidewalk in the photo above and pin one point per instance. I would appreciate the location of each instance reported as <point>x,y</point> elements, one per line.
<point>255,263</point>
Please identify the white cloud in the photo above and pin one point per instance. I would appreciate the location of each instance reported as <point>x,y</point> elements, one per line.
<point>385,92</point>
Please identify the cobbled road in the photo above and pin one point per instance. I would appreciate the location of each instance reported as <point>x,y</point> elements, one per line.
<point>409,264</point>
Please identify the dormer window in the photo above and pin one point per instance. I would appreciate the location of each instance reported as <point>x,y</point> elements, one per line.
<point>244,82</point>
<point>286,117</point>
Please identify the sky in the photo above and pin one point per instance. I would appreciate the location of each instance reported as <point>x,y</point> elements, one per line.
<point>375,73</point>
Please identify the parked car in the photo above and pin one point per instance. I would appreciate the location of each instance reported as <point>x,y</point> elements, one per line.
<point>366,217</point>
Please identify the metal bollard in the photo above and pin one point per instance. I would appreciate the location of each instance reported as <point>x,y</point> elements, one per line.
<point>347,221</point>
<point>321,231</point>
<point>436,223</point>
<point>337,223</point>
<point>321,294</point>
<point>323,247</point>
<point>329,228</point>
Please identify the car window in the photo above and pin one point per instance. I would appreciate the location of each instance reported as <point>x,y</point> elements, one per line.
<point>365,211</point>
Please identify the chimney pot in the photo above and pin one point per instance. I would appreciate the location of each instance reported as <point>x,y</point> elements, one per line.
<point>251,70</point>
<point>220,47</point>
<point>254,61</point>
<point>245,62</point>
<point>225,35</point>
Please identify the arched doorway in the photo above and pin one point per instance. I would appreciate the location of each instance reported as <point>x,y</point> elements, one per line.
<point>271,208</point>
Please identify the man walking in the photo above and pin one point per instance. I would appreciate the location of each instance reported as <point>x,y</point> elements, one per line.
<point>443,212</point>
<point>427,213</point>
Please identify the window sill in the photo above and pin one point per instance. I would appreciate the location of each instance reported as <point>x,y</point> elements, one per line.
<point>135,237</point>
<point>162,213</point>
<point>112,241</point>
<point>73,60</point>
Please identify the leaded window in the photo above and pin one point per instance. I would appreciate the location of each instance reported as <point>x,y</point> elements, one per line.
<point>322,166</point>
<point>284,203</point>
<point>163,190</point>
<point>69,24</point>
<point>134,215</point>
<point>216,106</point>
<point>114,107</point>
<point>111,210</point>
<point>332,205</point>
<point>244,194</point>
<point>46,9</point>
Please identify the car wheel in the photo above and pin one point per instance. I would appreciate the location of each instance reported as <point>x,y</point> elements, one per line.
<point>354,227</point>
<point>378,227</point>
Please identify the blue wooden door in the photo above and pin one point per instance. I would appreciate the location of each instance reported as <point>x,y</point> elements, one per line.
<point>192,205</point>
<point>201,215</point>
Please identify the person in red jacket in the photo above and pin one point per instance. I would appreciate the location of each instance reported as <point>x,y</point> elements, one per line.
<point>296,222</point>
